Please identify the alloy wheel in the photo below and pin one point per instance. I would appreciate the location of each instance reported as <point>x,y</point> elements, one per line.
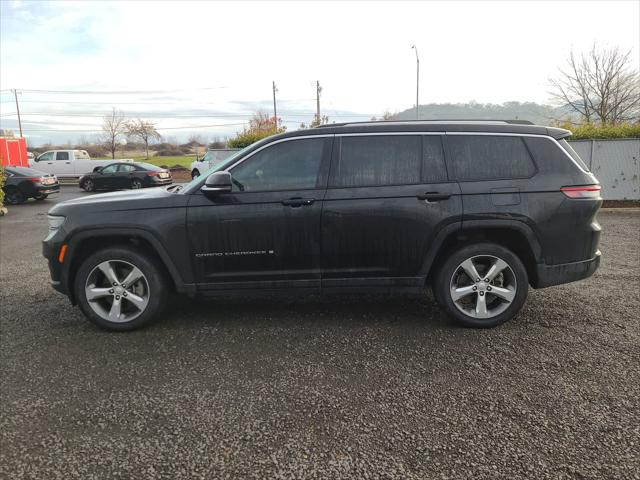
<point>136,184</point>
<point>117,291</point>
<point>483,286</point>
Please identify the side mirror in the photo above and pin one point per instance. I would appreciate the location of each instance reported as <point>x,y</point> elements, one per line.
<point>97,170</point>
<point>216,183</point>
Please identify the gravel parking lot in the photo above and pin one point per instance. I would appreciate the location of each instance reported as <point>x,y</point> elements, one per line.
<point>340,387</point>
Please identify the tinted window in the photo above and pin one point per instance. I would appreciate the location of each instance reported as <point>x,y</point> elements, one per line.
<point>290,165</point>
<point>126,168</point>
<point>110,169</point>
<point>62,156</point>
<point>378,160</point>
<point>433,168</point>
<point>573,154</point>
<point>483,157</point>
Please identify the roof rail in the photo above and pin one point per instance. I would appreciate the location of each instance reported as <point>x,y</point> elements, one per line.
<point>448,120</point>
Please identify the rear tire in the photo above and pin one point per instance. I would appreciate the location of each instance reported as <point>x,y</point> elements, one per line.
<point>42,196</point>
<point>13,196</point>
<point>136,184</point>
<point>495,295</point>
<point>107,300</point>
<point>88,185</point>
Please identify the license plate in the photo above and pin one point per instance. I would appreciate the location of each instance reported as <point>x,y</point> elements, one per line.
<point>48,181</point>
<point>164,175</point>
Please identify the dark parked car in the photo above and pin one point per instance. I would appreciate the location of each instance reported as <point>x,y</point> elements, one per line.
<point>23,183</point>
<point>121,175</point>
<point>479,211</point>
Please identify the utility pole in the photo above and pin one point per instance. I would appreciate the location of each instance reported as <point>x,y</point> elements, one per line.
<point>275,112</point>
<point>417,83</point>
<point>318,90</point>
<point>15,94</point>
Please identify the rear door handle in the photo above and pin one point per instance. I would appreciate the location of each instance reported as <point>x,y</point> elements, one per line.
<point>433,196</point>
<point>298,202</point>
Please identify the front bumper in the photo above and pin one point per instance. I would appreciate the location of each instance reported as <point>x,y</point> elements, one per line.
<point>50,251</point>
<point>549,275</point>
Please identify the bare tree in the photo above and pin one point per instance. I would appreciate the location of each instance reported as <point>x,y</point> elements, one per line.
<point>601,86</point>
<point>114,126</point>
<point>145,131</point>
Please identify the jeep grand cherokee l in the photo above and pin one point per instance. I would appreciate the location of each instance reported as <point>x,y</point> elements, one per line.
<point>478,211</point>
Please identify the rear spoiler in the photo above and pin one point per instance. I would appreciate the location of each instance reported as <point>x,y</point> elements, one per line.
<point>558,133</point>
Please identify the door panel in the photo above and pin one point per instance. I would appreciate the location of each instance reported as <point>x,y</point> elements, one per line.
<point>395,197</point>
<point>254,237</point>
<point>266,233</point>
<point>379,232</point>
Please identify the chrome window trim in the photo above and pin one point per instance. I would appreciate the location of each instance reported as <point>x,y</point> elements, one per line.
<point>364,134</point>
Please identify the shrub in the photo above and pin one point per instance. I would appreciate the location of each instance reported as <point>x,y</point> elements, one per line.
<point>589,131</point>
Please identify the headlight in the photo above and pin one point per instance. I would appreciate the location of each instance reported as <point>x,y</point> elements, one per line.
<point>55,222</point>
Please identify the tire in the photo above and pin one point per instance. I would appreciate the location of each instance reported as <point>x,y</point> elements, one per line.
<point>136,184</point>
<point>509,278</point>
<point>13,196</point>
<point>42,196</point>
<point>88,185</point>
<point>139,302</point>
<point>195,173</point>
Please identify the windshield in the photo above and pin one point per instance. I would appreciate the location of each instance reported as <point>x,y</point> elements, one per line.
<point>223,164</point>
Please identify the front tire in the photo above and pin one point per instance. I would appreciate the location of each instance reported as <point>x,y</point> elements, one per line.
<point>482,285</point>
<point>120,289</point>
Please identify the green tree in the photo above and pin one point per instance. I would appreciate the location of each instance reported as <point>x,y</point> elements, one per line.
<point>260,126</point>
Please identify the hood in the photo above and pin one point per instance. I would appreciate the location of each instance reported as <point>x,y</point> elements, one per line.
<point>142,199</point>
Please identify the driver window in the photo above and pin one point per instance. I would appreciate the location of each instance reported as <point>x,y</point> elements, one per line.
<point>289,165</point>
<point>46,157</point>
<point>110,168</point>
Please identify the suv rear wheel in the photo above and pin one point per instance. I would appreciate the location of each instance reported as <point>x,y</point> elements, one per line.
<point>120,288</point>
<point>482,285</point>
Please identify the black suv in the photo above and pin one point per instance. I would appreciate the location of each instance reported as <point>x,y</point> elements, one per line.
<point>477,210</point>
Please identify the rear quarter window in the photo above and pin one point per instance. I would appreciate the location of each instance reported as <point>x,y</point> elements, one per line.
<point>573,154</point>
<point>485,157</point>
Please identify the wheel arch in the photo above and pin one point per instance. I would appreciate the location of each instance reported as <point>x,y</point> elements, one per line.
<point>514,235</point>
<point>87,242</point>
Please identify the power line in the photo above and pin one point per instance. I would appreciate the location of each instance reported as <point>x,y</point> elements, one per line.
<point>152,115</point>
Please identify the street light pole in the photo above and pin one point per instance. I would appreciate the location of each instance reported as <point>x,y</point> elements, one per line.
<point>417,82</point>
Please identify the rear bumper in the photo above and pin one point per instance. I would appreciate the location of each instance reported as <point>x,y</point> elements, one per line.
<point>549,275</point>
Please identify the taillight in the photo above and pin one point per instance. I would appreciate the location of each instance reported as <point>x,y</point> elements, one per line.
<point>35,179</point>
<point>585,191</point>
<point>152,174</point>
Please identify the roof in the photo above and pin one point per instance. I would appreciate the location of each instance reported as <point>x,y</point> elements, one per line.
<point>477,126</point>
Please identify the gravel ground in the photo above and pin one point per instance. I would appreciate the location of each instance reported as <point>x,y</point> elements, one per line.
<point>341,387</point>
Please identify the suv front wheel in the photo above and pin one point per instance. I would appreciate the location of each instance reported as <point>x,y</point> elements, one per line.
<point>120,288</point>
<point>482,285</point>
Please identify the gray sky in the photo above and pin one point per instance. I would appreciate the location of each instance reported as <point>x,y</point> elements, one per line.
<point>212,63</point>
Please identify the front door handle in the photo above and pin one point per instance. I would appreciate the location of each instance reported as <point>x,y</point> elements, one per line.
<point>433,196</point>
<point>298,202</point>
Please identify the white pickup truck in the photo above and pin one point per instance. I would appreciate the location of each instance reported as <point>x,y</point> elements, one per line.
<point>68,163</point>
<point>212,157</point>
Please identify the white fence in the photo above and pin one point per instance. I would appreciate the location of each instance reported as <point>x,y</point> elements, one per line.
<point>616,165</point>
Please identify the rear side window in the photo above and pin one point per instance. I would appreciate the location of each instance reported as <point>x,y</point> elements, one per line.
<point>378,160</point>
<point>484,157</point>
<point>62,156</point>
<point>573,154</point>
